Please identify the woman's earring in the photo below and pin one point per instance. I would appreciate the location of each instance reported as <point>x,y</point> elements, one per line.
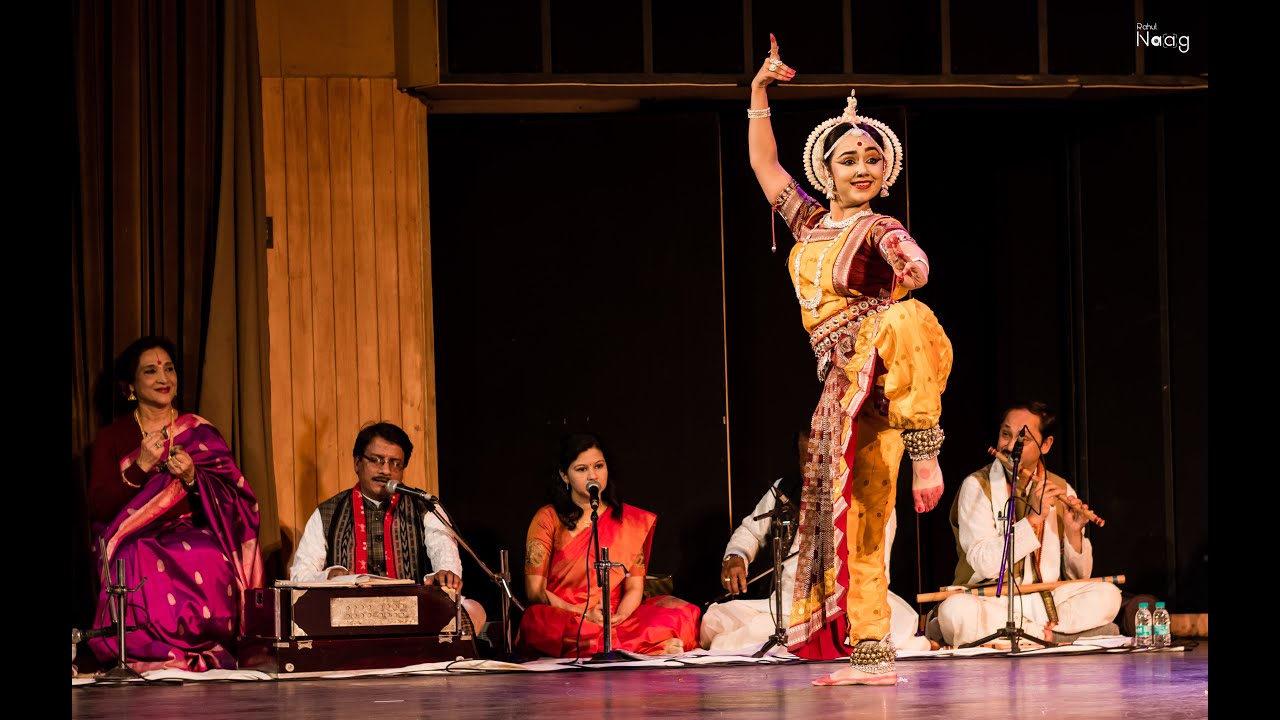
<point>884,191</point>
<point>131,395</point>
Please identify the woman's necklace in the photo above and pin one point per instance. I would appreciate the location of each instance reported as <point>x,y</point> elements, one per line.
<point>827,222</point>
<point>166,430</point>
<point>811,304</point>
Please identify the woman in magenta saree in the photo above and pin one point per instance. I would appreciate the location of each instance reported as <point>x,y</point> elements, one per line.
<point>565,617</point>
<point>167,499</point>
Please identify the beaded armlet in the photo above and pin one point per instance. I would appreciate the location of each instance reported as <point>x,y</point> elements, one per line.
<point>773,208</point>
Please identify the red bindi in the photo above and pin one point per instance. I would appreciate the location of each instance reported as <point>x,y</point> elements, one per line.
<point>859,143</point>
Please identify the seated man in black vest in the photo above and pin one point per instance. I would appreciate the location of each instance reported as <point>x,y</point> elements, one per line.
<point>367,530</point>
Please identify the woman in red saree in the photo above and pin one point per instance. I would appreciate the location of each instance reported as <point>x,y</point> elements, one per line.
<point>565,617</point>
<point>166,497</point>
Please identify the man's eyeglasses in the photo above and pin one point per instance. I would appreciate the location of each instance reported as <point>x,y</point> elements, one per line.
<point>394,464</point>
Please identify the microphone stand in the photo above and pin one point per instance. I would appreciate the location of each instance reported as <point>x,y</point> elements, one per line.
<point>1011,631</point>
<point>118,592</point>
<point>603,565</point>
<point>502,579</point>
<point>781,516</point>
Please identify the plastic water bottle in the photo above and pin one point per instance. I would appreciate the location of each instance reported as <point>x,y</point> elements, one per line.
<point>1160,637</point>
<point>1142,627</point>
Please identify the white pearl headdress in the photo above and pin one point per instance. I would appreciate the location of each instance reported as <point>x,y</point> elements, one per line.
<point>814,160</point>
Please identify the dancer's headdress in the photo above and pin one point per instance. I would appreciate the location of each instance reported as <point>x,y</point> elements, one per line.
<point>815,159</point>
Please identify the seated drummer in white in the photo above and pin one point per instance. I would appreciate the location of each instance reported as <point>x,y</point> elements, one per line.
<point>747,625</point>
<point>366,529</point>
<point>1048,540</point>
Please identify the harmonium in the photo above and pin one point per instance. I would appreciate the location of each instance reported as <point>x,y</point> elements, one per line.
<point>290,629</point>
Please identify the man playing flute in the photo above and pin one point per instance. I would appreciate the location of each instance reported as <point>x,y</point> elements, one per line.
<point>1049,543</point>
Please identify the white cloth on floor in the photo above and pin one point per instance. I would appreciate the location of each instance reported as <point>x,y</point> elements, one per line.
<point>748,625</point>
<point>1081,606</point>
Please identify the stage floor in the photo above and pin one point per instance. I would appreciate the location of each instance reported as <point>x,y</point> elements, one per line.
<point>1167,684</point>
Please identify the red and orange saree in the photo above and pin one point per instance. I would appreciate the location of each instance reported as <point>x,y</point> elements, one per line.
<point>662,624</point>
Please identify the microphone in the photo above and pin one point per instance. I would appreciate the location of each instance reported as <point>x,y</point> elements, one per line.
<point>394,486</point>
<point>78,635</point>
<point>1016,455</point>
<point>593,489</point>
<point>1016,458</point>
<point>781,506</point>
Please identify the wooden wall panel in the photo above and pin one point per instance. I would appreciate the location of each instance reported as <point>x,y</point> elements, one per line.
<point>348,281</point>
<point>362,217</point>
<point>384,248</point>
<point>424,290</point>
<point>319,181</point>
<point>301,358</point>
<point>347,420</point>
<point>409,116</point>
<point>278,305</point>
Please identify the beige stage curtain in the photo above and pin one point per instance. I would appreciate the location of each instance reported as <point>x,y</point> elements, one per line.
<point>235,387</point>
<point>168,233</point>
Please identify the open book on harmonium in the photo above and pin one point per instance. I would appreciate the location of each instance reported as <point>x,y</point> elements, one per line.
<point>354,580</point>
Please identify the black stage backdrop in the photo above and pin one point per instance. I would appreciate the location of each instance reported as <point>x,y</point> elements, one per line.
<point>588,299</point>
<point>1069,264</point>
